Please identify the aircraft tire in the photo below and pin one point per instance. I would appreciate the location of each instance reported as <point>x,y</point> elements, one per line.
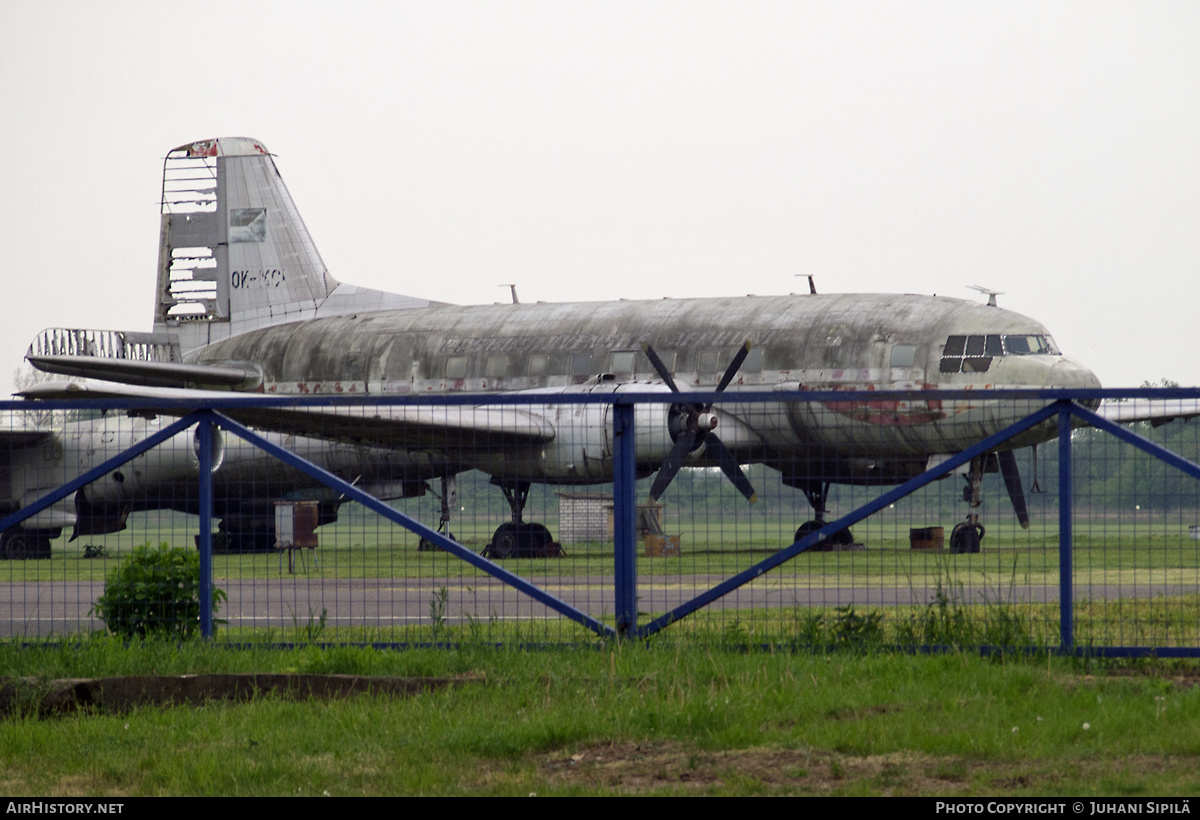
<point>425,545</point>
<point>505,542</point>
<point>840,538</point>
<point>965,539</point>
<point>538,539</point>
<point>24,545</point>
<point>16,547</point>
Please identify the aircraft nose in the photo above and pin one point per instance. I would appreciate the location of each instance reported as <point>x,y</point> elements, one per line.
<point>1071,375</point>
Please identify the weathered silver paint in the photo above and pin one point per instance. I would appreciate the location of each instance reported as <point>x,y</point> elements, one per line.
<point>808,342</point>
<point>275,321</point>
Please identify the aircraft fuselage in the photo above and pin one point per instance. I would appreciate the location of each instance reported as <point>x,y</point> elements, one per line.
<point>799,342</point>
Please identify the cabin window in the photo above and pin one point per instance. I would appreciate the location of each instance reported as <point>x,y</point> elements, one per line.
<point>622,361</point>
<point>539,364</point>
<point>708,361</point>
<point>667,357</point>
<point>581,364</point>
<point>904,355</point>
<point>456,367</point>
<point>754,360</point>
<point>497,367</point>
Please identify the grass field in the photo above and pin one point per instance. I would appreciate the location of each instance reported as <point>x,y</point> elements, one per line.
<point>1155,566</point>
<point>1103,553</point>
<point>622,719</point>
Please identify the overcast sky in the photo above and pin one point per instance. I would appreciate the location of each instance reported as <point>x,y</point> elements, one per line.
<point>591,151</point>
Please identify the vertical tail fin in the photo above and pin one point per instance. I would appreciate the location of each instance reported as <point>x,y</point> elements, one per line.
<point>233,251</point>
<point>235,255</point>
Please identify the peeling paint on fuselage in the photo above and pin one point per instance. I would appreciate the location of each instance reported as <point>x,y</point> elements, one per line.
<point>807,342</point>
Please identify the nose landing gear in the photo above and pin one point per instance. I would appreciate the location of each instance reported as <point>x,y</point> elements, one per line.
<point>967,536</point>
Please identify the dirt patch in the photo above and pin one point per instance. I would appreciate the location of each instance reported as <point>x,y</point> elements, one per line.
<point>664,768</point>
<point>62,696</point>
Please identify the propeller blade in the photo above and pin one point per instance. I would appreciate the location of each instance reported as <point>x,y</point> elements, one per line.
<point>663,373</point>
<point>734,365</point>
<point>1012,482</point>
<point>671,464</point>
<point>729,465</point>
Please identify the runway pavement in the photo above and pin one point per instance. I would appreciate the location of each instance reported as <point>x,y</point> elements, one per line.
<point>43,609</point>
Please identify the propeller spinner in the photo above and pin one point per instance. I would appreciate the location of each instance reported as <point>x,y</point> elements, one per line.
<point>691,426</point>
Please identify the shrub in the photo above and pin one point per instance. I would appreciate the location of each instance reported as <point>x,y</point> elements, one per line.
<point>154,592</point>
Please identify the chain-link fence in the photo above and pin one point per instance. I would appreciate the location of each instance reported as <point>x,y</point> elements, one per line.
<point>917,519</point>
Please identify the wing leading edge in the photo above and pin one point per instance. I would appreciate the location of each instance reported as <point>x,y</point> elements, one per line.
<point>463,428</point>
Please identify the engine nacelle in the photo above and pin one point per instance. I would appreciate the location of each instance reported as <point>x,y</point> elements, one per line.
<point>582,449</point>
<point>154,472</point>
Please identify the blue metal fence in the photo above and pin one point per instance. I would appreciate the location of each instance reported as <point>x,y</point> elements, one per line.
<point>620,615</point>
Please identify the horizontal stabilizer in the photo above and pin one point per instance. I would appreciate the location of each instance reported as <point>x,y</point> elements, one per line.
<point>238,376</point>
<point>463,429</point>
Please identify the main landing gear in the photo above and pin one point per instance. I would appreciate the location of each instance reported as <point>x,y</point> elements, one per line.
<point>967,536</point>
<point>516,538</point>
<point>17,544</point>
<point>816,492</point>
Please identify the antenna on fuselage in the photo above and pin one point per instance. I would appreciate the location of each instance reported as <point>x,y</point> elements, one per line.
<point>513,288</point>
<point>812,287</point>
<point>991,294</point>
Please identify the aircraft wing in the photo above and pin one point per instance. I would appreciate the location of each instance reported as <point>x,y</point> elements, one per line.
<point>1157,412</point>
<point>460,428</point>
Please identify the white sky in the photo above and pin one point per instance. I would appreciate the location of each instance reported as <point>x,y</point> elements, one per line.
<point>595,150</point>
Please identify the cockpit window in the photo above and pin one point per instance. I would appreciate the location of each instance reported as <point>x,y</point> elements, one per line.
<point>974,354</point>
<point>970,354</point>
<point>1030,345</point>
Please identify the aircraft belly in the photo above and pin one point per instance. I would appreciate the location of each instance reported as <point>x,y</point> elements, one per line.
<point>906,429</point>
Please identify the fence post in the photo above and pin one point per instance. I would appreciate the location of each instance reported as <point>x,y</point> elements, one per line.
<point>204,437</point>
<point>1065,513</point>
<point>624,519</point>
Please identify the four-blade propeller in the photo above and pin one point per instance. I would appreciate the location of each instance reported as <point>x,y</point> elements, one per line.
<point>691,427</point>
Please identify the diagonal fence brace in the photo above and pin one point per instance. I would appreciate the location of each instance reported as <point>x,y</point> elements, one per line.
<point>374,504</point>
<point>871,507</point>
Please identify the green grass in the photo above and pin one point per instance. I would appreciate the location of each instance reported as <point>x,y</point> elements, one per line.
<point>1103,553</point>
<point>671,719</point>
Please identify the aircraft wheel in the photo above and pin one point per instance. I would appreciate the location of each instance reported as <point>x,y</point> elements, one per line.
<point>538,539</point>
<point>505,542</point>
<point>425,545</point>
<point>806,528</point>
<point>18,547</point>
<point>841,537</point>
<point>966,538</point>
<point>23,545</point>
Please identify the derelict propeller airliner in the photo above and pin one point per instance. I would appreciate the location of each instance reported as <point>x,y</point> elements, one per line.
<point>245,303</point>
